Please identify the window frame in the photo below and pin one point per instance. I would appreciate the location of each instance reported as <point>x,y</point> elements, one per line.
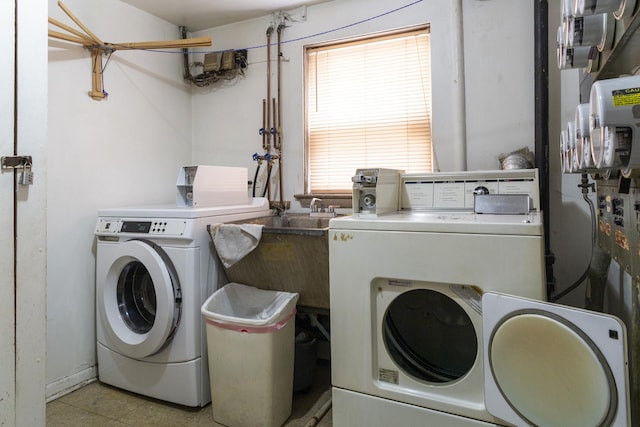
<point>343,197</point>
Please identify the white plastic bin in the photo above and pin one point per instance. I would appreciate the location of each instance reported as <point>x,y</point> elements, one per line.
<point>250,341</point>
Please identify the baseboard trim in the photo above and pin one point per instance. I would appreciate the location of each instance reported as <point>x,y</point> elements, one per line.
<point>71,383</point>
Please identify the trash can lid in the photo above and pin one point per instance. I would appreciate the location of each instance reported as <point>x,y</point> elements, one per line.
<point>240,304</point>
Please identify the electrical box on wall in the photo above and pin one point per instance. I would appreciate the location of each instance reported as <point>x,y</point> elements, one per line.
<point>619,223</point>
<point>228,60</point>
<point>218,66</point>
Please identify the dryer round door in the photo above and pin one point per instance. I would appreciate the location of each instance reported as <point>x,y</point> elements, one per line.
<point>138,297</point>
<point>550,365</point>
<point>429,336</point>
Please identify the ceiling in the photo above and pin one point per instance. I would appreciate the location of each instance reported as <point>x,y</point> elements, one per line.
<point>198,15</point>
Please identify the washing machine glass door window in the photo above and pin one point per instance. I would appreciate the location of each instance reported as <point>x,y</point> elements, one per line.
<point>137,297</point>
<point>429,336</point>
<point>140,301</point>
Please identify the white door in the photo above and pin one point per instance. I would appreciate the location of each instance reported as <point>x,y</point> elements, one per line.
<point>23,114</point>
<point>7,331</point>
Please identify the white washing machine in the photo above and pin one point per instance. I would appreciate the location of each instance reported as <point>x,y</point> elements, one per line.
<point>155,267</point>
<point>406,299</point>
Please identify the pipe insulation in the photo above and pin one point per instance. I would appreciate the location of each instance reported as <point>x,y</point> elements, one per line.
<point>459,97</point>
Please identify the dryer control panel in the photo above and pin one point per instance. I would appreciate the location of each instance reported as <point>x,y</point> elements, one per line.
<point>458,190</point>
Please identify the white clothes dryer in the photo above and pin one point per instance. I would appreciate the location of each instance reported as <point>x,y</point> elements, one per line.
<point>155,267</point>
<point>413,341</point>
<point>408,322</point>
<point>406,311</point>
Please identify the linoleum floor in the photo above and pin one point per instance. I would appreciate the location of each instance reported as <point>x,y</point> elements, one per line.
<point>100,405</point>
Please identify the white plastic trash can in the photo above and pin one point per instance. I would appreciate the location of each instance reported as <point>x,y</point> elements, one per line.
<point>250,341</point>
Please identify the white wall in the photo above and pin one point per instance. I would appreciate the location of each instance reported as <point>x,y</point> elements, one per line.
<point>570,217</point>
<point>499,87</point>
<point>499,64</point>
<point>126,150</point>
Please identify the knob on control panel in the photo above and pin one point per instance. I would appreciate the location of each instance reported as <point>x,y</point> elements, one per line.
<point>481,190</point>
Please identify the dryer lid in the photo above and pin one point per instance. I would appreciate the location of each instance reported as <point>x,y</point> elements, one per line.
<point>551,365</point>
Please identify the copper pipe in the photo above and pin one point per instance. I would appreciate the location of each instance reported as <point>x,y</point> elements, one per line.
<point>276,144</point>
<point>279,125</point>
<point>274,129</point>
<point>264,120</point>
<point>268,128</point>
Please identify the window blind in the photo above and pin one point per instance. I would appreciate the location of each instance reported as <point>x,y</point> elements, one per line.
<point>368,105</point>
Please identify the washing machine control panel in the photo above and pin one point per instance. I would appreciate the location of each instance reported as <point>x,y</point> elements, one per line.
<point>155,226</point>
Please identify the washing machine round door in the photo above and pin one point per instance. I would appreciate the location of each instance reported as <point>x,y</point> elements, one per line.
<point>138,297</point>
<point>550,365</point>
<point>430,336</point>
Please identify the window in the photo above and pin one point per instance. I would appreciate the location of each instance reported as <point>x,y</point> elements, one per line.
<point>368,104</point>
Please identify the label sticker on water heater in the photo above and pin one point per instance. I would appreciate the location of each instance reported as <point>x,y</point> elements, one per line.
<point>625,97</point>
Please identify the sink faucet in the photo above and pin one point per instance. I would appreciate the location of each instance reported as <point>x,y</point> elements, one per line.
<point>315,204</point>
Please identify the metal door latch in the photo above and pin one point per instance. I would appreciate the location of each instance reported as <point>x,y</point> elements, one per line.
<point>15,162</point>
<point>23,163</point>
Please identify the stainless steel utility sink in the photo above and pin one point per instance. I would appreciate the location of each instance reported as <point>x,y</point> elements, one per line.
<point>292,256</point>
